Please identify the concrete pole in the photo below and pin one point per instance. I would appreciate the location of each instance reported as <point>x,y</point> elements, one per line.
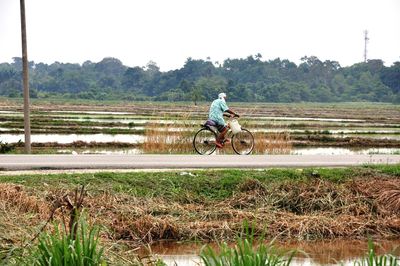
<point>25,79</point>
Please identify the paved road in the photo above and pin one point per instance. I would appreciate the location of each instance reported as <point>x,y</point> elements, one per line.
<point>32,162</point>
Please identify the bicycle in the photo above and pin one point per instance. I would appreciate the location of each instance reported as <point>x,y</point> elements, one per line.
<point>205,138</point>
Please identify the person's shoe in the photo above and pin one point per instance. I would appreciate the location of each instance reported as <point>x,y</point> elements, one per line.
<point>219,145</point>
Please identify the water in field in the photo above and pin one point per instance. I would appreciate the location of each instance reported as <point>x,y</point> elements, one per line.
<point>140,139</point>
<point>337,252</point>
<point>70,138</point>
<point>343,151</point>
<point>54,123</point>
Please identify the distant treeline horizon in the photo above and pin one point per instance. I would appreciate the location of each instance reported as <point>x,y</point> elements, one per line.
<point>244,80</point>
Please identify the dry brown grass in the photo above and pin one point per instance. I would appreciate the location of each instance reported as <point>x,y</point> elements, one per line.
<point>296,210</point>
<point>384,192</point>
<point>272,143</point>
<point>16,198</point>
<point>161,138</point>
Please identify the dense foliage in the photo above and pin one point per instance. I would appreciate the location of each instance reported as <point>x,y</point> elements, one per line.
<point>248,79</point>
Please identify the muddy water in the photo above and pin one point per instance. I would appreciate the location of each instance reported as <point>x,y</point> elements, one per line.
<point>311,253</point>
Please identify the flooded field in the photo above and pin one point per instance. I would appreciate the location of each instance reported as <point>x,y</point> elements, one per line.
<point>168,128</point>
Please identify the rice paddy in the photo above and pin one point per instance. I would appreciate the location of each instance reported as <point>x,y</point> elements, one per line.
<point>297,207</point>
<point>169,128</point>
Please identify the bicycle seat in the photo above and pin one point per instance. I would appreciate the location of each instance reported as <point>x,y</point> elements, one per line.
<point>211,125</point>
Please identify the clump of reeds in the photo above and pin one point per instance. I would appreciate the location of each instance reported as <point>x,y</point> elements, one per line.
<point>373,259</point>
<point>68,248</point>
<point>272,142</point>
<point>246,252</point>
<point>159,138</point>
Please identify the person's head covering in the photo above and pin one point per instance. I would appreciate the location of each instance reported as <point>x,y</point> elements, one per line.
<point>222,95</point>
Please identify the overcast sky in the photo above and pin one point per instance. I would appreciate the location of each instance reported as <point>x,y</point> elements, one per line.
<point>169,31</point>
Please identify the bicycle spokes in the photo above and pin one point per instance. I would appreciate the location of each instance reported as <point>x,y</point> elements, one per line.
<point>243,142</point>
<point>204,141</point>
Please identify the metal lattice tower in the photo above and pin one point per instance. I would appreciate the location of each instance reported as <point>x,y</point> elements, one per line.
<point>365,45</point>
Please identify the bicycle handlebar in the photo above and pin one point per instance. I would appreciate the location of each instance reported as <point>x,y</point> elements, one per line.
<point>230,116</point>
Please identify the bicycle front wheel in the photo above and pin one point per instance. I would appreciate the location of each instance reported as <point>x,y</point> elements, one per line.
<point>243,142</point>
<point>204,141</point>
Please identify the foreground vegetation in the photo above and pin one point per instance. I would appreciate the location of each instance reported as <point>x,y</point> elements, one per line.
<point>139,208</point>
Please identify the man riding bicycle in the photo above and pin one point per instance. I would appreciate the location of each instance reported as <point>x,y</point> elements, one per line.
<point>215,118</point>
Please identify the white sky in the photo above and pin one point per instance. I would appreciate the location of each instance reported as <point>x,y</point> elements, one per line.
<point>169,31</point>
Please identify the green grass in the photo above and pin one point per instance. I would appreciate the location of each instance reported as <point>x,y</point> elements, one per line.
<point>198,185</point>
<point>389,169</point>
<point>59,248</point>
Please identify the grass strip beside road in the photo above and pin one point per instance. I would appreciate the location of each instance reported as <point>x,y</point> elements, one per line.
<point>198,184</point>
<point>176,185</point>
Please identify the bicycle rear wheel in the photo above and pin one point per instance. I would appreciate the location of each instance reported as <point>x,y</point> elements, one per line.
<point>243,142</point>
<point>204,141</point>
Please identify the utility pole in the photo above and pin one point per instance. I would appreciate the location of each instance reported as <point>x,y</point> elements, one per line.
<point>365,45</point>
<point>25,80</point>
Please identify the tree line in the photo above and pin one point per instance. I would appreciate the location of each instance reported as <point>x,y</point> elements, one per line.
<point>246,79</point>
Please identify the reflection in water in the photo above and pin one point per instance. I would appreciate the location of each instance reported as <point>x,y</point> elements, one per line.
<point>101,151</point>
<point>299,151</point>
<point>194,260</point>
<point>69,138</point>
<point>317,253</point>
<point>284,118</point>
<point>93,112</point>
<point>343,151</point>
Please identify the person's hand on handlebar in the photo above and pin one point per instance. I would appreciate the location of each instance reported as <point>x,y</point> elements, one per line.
<point>231,114</point>
<point>235,115</point>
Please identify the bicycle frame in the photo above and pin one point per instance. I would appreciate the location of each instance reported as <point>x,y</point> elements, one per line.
<point>238,143</point>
